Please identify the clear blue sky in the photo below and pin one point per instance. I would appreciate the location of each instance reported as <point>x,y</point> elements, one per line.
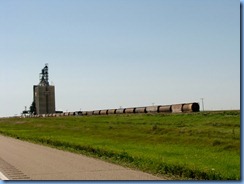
<point>111,53</point>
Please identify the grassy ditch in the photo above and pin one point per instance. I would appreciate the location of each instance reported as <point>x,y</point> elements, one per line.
<point>197,145</point>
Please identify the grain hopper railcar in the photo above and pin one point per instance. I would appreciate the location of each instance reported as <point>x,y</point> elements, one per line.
<point>174,108</point>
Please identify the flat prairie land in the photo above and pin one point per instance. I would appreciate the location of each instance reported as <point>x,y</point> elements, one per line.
<point>199,146</point>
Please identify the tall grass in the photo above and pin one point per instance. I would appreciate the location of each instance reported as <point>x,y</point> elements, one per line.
<point>196,145</point>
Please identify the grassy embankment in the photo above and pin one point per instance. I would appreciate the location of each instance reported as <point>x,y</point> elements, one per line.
<point>198,145</point>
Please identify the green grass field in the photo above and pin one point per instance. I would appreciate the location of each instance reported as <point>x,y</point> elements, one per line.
<point>182,146</point>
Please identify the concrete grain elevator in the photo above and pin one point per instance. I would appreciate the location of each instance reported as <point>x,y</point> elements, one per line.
<point>44,94</point>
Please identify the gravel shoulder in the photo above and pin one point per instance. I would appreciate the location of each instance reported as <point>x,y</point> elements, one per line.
<point>20,160</point>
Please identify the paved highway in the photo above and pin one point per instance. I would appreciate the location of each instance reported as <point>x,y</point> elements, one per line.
<point>20,160</point>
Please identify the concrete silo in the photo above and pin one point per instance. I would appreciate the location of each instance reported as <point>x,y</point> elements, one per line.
<point>44,94</point>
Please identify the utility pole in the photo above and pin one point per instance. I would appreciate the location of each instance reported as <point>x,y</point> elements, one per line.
<point>202,105</point>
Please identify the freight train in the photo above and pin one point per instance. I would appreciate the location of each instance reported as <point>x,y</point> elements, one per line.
<point>175,108</point>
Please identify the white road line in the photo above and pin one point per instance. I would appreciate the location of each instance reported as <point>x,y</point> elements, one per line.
<point>2,177</point>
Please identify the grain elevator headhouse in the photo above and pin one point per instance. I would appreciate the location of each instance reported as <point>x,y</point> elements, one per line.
<point>44,94</point>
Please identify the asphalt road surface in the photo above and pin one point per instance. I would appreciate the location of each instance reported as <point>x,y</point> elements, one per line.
<point>20,160</point>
